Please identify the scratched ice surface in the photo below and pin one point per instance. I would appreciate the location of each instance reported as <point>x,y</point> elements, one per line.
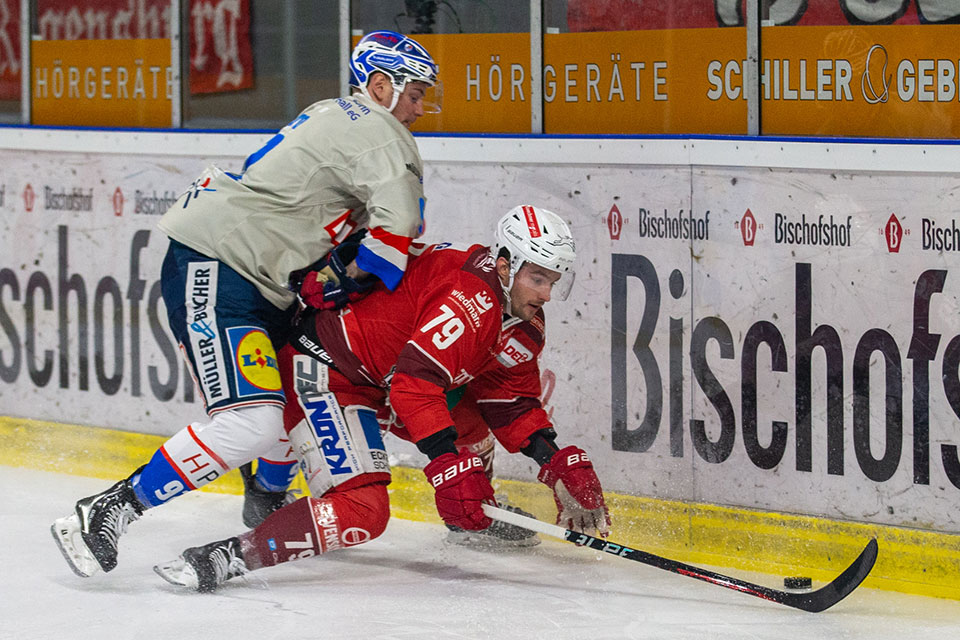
<point>407,584</point>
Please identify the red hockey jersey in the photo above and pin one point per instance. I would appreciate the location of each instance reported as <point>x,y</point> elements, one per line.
<point>440,329</point>
<point>506,398</point>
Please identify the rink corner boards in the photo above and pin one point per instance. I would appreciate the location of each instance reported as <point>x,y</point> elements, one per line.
<point>912,561</point>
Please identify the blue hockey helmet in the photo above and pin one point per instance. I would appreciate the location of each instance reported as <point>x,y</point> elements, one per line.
<point>401,58</point>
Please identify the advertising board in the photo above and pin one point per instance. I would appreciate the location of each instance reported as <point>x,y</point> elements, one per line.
<point>766,337</point>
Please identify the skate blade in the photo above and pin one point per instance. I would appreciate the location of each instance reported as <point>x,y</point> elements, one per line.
<point>66,533</point>
<point>178,572</point>
<point>480,540</point>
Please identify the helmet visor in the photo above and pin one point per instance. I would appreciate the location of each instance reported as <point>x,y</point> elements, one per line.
<point>433,98</point>
<point>430,95</point>
<point>545,281</point>
<point>561,290</point>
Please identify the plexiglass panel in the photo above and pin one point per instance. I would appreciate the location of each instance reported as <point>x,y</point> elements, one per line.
<point>887,68</point>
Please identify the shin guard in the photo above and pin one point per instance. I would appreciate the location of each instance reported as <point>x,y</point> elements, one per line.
<point>311,526</point>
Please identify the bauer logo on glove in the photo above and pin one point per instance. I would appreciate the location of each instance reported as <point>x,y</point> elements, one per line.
<point>460,488</point>
<point>577,492</point>
<point>451,472</point>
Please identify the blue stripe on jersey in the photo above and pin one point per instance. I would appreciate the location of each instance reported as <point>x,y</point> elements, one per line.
<point>380,267</point>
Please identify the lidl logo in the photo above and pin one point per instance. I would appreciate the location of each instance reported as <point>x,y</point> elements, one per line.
<point>255,359</point>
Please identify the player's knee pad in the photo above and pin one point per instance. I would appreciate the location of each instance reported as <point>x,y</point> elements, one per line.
<point>334,445</point>
<point>364,512</point>
<point>312,526</point>
<point>280,452</point>
<point>337,445</point>
<point>277,464</point>
<point>202,452</point>
<point>237,436</point>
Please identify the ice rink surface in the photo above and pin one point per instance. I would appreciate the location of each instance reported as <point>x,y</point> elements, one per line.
<point>409,583</point>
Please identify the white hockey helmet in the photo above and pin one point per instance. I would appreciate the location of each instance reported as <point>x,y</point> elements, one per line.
<point>531,234</point>
<point>401,58</point>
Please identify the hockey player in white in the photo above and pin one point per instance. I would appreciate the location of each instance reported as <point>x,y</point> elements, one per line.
<point>342,165</point>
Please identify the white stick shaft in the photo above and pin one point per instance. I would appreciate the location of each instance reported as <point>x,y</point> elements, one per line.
<point>524,522</point>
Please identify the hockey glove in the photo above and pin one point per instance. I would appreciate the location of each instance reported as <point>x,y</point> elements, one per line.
<point>577,492</point>
<point>461,487</point>
<point>328,286</point>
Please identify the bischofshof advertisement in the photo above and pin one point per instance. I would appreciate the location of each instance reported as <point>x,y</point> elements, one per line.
<point>762,337</point>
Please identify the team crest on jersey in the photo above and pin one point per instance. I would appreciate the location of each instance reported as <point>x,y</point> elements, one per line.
<point>485,262</point>
<point>462,378</point>
<point>255,360</point>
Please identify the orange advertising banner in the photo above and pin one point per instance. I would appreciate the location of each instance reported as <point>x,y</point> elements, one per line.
<point>885,81</point>
<point>101,83</point>
<point>593,83</point>
<point>650,82</point>
<point>486,82</point>
<point>865,80</point>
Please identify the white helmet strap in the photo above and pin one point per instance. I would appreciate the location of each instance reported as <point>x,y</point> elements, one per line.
<point>397,90</point>
<point>511,277</point>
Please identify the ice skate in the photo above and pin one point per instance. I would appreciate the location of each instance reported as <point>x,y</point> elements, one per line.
<point>499,535</point>
<point>88,538</point>
<point>259,503</point>
<point>205,568</point>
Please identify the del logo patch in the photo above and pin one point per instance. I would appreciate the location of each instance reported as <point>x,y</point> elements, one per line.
<point>255,359</point>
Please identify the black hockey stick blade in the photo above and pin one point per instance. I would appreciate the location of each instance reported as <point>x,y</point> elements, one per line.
<point>813,601</point>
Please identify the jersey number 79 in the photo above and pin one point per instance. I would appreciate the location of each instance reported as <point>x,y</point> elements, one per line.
<point>447,334</point>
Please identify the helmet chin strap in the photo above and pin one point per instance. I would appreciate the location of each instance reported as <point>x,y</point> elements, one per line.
<point>393,100</point>
<point>397,90</point>
<point>507,306</point>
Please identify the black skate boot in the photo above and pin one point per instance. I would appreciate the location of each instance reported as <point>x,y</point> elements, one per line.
<point>88,538</point>
<point>499,535</point>
<point>259,503</point>
<point>205,568</point>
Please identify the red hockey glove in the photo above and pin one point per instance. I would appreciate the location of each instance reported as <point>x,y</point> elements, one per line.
<point>327,285</point>
<point>331,287</point>
<point>461,487</point>
<point>577,492</point>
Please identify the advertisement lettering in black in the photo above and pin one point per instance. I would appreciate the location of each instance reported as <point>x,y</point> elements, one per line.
<point>874,344</point>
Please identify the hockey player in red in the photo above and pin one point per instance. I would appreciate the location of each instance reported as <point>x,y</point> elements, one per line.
<point>390,358</point>
<point>343,165</point>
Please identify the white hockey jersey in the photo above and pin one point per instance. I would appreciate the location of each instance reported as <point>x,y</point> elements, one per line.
<point>342,165</point>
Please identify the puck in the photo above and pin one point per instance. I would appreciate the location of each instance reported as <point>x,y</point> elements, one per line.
<point>797,582</point>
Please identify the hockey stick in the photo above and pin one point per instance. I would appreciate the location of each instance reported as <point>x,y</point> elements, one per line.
<point>813,601</point>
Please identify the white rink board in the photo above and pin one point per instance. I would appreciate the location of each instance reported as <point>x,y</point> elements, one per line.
<point>90,280</point>
<point>625,387</point>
